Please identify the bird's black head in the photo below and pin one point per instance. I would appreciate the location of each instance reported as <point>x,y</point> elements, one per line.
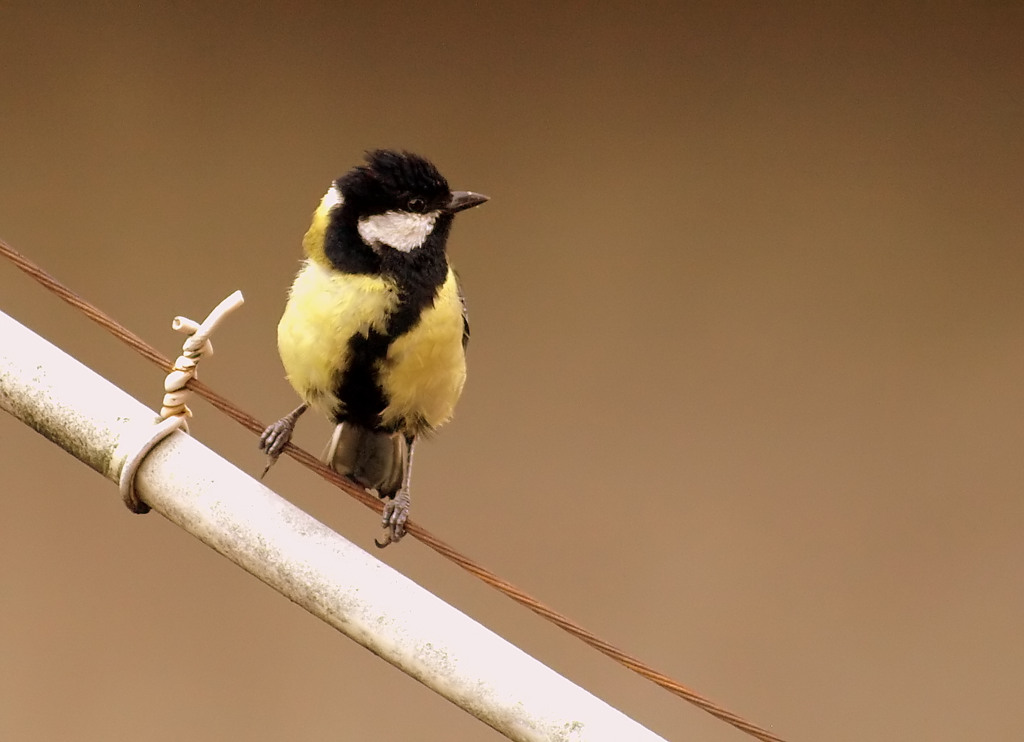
<point>400,200</point>
<point>394,181</point>
<point>397,204</point>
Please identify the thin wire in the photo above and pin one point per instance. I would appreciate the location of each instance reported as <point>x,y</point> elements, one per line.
<point>425,536</point>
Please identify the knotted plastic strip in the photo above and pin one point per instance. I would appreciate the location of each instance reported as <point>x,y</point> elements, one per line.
<point>175,411</point>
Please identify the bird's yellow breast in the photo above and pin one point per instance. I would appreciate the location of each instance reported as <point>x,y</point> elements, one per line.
<point>325,309</point>
<point>425,369</point>
<point>421,375</point>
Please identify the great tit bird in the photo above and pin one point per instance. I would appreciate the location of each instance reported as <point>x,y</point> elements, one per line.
<point>375,330</point>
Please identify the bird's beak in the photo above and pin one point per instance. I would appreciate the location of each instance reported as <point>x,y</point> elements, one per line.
<point>462,200</point>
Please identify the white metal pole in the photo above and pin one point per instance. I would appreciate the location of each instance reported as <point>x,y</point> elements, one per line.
<point>297,555</point>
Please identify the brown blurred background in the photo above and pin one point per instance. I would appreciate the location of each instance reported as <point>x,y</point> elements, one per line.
<point>746,386</point>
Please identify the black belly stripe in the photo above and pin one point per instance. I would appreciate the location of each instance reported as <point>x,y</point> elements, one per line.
<point>418,277</point>
<point>358,388</point>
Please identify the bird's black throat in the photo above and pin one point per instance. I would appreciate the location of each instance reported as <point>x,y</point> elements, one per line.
<point>418,276</point>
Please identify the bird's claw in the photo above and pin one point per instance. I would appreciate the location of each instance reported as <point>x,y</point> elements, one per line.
<point>276,436</point>
<point>274,439</point>
<point>395,516</point>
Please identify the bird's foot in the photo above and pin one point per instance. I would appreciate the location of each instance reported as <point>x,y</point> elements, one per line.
<point>275,438</point>
<point>396,513</point>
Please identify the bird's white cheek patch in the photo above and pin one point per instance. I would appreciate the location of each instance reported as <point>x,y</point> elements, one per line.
<point>401,230</point>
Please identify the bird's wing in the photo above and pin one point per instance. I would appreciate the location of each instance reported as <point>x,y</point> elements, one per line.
<point>465,312</point>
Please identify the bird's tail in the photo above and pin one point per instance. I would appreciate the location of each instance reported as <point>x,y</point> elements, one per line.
<point>374,459</point>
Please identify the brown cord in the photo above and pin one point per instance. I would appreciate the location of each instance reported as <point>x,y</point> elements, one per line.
<point>309,461</point>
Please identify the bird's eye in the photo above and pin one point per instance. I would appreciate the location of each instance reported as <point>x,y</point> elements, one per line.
<point>416,204</point>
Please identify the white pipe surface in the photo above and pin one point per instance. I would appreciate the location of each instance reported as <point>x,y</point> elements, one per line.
<point>297,555</point>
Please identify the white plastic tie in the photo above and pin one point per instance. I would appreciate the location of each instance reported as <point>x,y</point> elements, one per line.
<point>174,411</point>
